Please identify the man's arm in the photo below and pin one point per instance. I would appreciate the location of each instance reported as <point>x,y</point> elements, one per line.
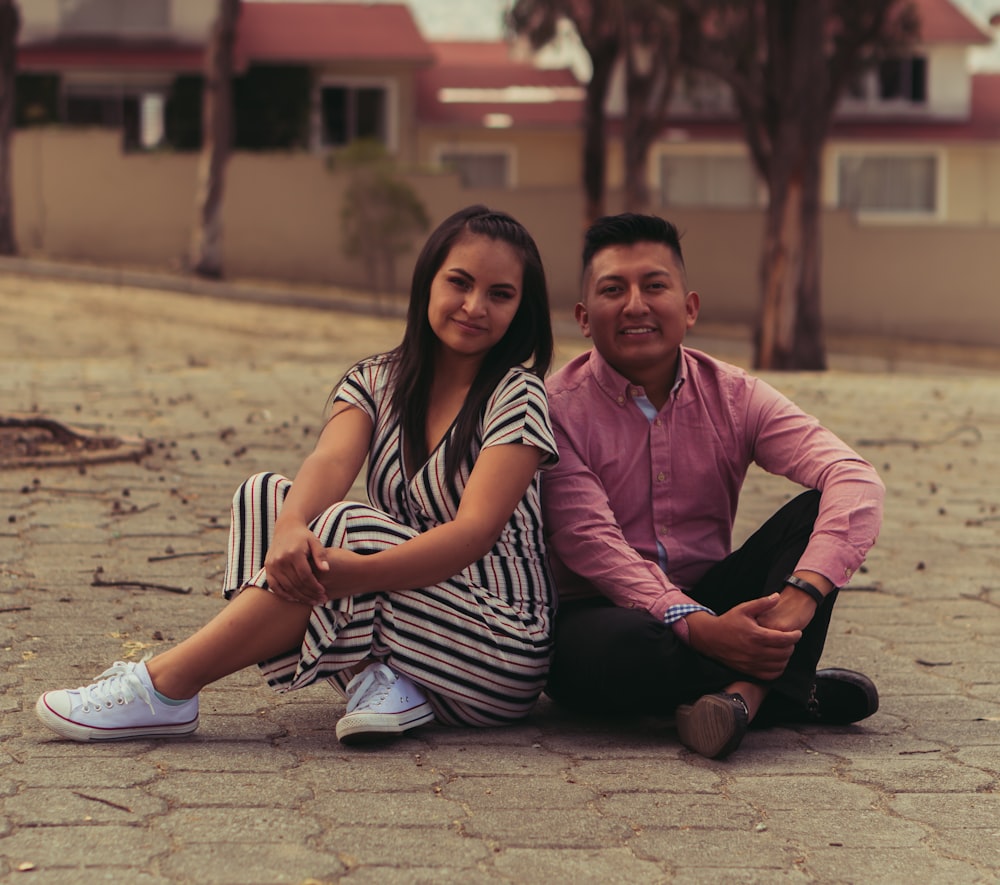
<point>740,638</point>
<point>584,534</point>
<point>792,443</point>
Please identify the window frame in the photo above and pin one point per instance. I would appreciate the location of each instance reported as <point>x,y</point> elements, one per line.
<point>893,152</point>
<point>508,151</point>
<point>707,153</point>
<point>354,83</point>
<point>866,98</point>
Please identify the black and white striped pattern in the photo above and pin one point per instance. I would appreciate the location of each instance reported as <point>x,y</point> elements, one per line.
<point>479,643</point>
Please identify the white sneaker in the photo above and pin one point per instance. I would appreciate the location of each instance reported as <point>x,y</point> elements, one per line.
<point>120,704</point>
<point>381,704</point>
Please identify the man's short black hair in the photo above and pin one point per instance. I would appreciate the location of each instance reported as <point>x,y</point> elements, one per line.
<point>626,230</point>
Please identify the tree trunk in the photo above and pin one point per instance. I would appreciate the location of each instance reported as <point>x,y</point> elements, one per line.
<point>650,50</point>
<point>594,138</point>
<point>790,330</point>
<point>790,326</point>
<point>217,111</point>
<point>10,23</point>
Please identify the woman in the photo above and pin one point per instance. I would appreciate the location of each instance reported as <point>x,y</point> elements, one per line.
<point>454,428</point>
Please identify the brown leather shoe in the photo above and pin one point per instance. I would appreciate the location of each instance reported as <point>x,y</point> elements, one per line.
<point>714,725</point>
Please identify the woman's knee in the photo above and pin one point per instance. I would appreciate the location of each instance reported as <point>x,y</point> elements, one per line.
<point>257,486</point>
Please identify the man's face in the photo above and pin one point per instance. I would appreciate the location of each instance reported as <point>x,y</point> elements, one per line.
<point>637,309</point>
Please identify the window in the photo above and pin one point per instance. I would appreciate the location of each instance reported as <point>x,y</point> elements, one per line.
<point>353,112</point>
<point>114,16</point>
<point>110,108</point>
<point>888,183</point>
<point>708,181</point>
<point>899,82</point>
<point>478,169</point>
<point>903,79</point>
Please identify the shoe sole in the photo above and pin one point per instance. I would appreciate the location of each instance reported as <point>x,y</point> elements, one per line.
<point>708,727</point>
<point>361,728</point>
<point>86,733</point>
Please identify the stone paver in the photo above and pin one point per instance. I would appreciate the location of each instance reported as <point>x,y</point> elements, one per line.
<point>264,793</point>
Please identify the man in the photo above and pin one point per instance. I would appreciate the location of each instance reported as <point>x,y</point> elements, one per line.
<point>657,614</point>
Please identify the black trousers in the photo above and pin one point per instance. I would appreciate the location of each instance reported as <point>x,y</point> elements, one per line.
<point>609,659</point>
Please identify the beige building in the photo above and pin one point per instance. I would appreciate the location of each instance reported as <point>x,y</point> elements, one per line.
<point>911,187</point>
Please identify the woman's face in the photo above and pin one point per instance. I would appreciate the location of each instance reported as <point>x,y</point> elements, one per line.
<point>474,296</point>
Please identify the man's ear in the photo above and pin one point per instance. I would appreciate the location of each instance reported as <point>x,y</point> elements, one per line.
<point>692,304</point>
<point>582,318</point>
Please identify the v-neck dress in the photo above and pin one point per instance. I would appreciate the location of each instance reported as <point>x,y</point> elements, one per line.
<point>479,642</point>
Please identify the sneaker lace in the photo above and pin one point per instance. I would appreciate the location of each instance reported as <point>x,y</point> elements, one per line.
<point>370,687</point>
<point>118,684</point>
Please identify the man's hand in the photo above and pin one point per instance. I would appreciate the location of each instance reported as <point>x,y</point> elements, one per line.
<point>794,611</point>
<point>739,639</point>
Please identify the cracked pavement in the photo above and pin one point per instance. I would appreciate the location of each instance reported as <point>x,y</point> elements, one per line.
<point>116,560</point>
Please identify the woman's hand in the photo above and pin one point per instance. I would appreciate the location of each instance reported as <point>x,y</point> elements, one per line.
<point>342,569</point>
<point>294,563</point>
<point>295,558</point>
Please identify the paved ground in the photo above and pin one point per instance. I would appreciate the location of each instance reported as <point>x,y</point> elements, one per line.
<point>265,794</point>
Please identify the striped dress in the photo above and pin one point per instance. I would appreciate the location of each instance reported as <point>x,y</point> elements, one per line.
<point>479,643</point>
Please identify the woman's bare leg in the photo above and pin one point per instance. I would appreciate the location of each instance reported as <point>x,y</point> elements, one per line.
<point>255,626</point>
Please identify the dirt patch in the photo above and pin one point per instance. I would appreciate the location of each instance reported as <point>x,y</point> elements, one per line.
<point>30,440</point>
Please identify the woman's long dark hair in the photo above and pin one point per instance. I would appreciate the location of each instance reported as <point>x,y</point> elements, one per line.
<point>528,337</point>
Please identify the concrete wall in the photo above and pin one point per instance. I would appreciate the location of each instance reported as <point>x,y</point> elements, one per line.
<point>78,198</point>
<point>187,19</point>
<point>540,158</point>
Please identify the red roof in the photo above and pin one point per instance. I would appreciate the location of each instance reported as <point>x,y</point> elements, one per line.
<point>318,32</point>
<point>475,52</point>
<point>266,32</point>
<point>941,21</point>
<point>145,55</point>
<point>473,82</point>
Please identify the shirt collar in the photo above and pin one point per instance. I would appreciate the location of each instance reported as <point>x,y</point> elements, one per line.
<point>619,388</point>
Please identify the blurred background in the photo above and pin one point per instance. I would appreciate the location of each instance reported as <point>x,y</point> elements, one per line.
<point>846,181</point>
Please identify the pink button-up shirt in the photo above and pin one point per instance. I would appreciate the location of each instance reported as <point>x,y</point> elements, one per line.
<point>625,483</point>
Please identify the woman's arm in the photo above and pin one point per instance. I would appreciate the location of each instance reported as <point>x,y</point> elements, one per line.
<point>325,477</point>
<point>498,481</point>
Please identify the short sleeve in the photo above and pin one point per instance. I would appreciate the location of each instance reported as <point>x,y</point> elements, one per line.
<point>361,385</point>
<point>518,414</point>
